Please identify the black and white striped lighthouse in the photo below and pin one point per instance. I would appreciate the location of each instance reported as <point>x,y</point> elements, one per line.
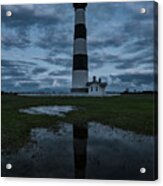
<point>80,58</point>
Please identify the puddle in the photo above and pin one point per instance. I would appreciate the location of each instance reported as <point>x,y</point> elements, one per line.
<point>49,110</point>
<point>88,150</point>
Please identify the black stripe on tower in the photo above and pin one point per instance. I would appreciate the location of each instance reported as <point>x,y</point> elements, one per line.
<point>80,62</point>
<point>80,31</point>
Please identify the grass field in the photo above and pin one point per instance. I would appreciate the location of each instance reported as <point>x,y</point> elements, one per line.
<point>129,112</point>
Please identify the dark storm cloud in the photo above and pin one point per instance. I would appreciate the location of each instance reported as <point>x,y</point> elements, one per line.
<point>16,63</point>
<point>43,18</point>
<point>122,61</point>
<point>60,61</point>
<point>139,44</point>
<point>26,86</point>
<point>133,81</point>
<point>145,55</point>
<point>127,31</point>
<point>47,81</point>
<point>28,15</point>
<point>15,74</point>
<point>15,78</point>
<point>106,42</point>
<point>137,78</point>
<point>97,60</point>
<point>8,86</point>
<point>63,82</point>
<point>132,62</point>
<point>15,70</point>
<point>60,73</point>
<point>39,70</point>
<point>18,42</point>
<point>12,73</point>
<point>52,39</point>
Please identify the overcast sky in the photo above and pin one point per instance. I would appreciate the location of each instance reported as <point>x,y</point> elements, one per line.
<point>37,46</point>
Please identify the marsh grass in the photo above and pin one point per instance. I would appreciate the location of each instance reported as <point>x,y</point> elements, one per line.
<point>129,112</point>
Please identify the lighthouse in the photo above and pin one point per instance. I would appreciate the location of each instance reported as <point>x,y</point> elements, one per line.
<point>80,58</point>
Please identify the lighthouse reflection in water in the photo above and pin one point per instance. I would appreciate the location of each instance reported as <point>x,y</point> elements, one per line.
<point>82,150</point>
<point>80,135</point>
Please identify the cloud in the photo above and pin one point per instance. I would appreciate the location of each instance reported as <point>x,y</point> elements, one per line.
<point>39,70</point>
<point>29,15</point>
<point>125,40</point>
<point>21,42</point>
<point>58,60</point>
<point>37,45</point>
<point>26,76</point>
<point>60,73</point>
<point>133,81</point>
<point>33,18</point>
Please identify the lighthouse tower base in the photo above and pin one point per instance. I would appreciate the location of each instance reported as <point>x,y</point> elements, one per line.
<point>79,90</point>
<point>79,81</point>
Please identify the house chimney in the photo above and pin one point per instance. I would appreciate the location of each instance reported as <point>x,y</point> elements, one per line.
<point>99,80</point>
<point>94,78</point>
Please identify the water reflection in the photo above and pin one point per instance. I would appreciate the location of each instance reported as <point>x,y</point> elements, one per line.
<point>49,110</point>
<point>86,150</point>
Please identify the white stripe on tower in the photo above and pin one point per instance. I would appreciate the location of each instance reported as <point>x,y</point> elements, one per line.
<point>79,78</point>
<point>80,58</point>
<point>80,46</point>
<point>79,16</point>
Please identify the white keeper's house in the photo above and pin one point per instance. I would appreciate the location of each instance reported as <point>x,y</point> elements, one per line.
<point>96,87</point>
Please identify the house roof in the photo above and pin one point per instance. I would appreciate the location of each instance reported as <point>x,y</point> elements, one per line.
<point>102,85</point>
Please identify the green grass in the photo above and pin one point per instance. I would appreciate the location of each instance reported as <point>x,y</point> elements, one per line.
<point>130,112</point>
